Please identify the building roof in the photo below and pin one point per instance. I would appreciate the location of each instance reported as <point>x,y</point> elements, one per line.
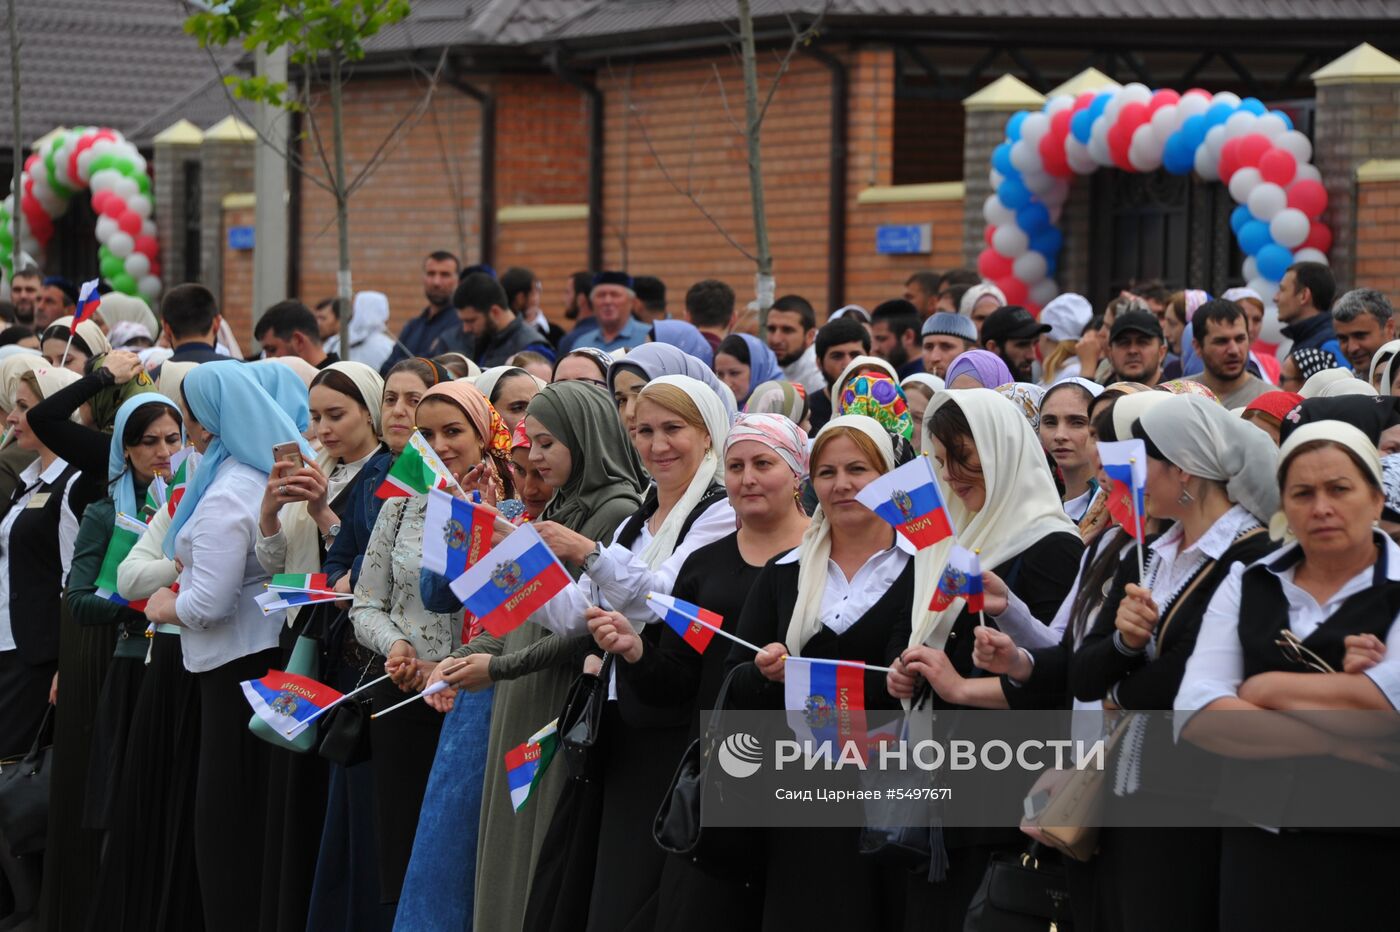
<point>127,64</point>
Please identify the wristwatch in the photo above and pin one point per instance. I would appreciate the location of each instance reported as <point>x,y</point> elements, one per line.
<point>592,557</point>
<point>332,531</point>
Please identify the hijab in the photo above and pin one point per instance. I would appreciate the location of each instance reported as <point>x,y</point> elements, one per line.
<point>488,380</point>
<point>814,553</point>
<point>977,293</point>
<point>1027,397</point>
<point>763,365</point>
<point>105,403</point>
<point>1277,404</point>
<point>654,360</point>
<point>1022,505</point>
<point>171,375</point>
<point>369,317</point>
<point>286,389</point>
<point>1314,384</point>
<point>299,367</point>
<point>1205,440</point>
<point>368,383</point>
<point>117,308</point>
<point>1189,387</point>
<point>11,368</point>
<point>14,349</point>
<point>880,398</point>
<point>599,358</point>
<point>932,382</point>
<point>52,380</point>
<point>778,433</point>
<point>490,429</point>
<point>1310,361</point>
<point>1370,415</point>
<point>88,335</point>
<point>710,471</point>
<point>118,472</point>
<point>1337,388</point>
<point>1335,432</point>
<point>686,337</point>
<point>1388,350</point>
<point>860,362</point>
<point>605,467</point>
<point>986,367</point>
<point>247,422</point>
<point>777,398</point>
<point>1129,408</point>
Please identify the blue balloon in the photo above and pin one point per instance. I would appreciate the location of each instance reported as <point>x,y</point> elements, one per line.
<point>1253,235</point>
<point>1218,114</point>
<point>1239,217</point>
<point>1194,131</point>
<point>1048,242</point>
<point>1013,126</point>
<point>1100,104</point>
<point>1001,160</point>
<point>1081,125</point>
<point>1253,105</point>
<point>1052,265</point>
<point>1178,158</point>
<point>1273,261</point>
<point>1287,120</point>
<point>1014,193</point>
<point>1033,218</point>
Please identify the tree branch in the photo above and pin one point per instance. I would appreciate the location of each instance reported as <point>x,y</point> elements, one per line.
<point>405,123</point>
<point>799,39</point>
<point>724,99</point>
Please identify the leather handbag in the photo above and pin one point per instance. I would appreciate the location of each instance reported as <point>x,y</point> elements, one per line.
<point>733,853</point>
<point>345,739</point>
<point>1019,894</point>
<point>581,722</point>
<point>24,795</point>
<point>1069,820</point>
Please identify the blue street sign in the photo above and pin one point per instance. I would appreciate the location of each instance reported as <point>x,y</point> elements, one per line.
<point>903,239</point>
<point>240,237</point>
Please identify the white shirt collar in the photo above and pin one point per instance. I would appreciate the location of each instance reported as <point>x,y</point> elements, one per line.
<point>31,472</point>
<point>1283,561</point>
<point>1215,541</point>
<point>900,543</point>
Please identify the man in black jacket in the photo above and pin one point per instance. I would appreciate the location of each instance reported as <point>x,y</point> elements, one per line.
<point>190,317</point>
<point>498,331</point>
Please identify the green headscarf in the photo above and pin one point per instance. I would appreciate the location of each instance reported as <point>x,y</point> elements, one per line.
<point>105,403</point>
<point>606,479</point>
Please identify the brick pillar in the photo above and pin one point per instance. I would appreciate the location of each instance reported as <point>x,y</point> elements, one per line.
<point>1358,119</point>
<point>227,168</point>
<point>986,114</point>
<point>175,147</point>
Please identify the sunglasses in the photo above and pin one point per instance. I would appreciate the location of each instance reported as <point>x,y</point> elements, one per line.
<point>1294,650</point>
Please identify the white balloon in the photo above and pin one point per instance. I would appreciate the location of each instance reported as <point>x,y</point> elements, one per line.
<point>105,180</point>
<point>1225,97</point>
<point>1190,105</point>
<point>1011,241</point>
<point>1289,227</point>
<point>1239,124</point>
<point>1030,267</point>
<point>1038,182</point>
<point>1296,143</point>
<point>1078,157</point>
<point>1035,126</point>
<point>1267,200</point>
<point>1242,182</point>
<point>1305,172</point>
<point>1057,103</point>
<point>1272,329</point>
<point>148,227</point>
<point>1267,288</point>
<point>137,265</point>
<point>996,178</point>
<point>126,189</point>
<point>84,160</point>
<point>1271,125</point>
<point>102,146</point>
<point>1164,123</point>
<point>1135,93</point>
<point>138,160</point>
<point>139,203</point>
<point>1251,268</point>
<point>996,213</point>
<point>1025,156</point>
<point>1215,141</point>
<point>106,228</point>
<point>1044,291</point>
<point>1207,167</point>
<point>148,287</point>
<point>1098,142</point>
<point>1144,153</point>
<point>1311,255</point>
<point>120,244</point>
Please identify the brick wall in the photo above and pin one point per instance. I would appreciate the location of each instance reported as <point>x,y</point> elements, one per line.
<point>1355,123</point>
<point>1378,244</point>
<point>236,295</point>
<point>226,168</point>
<point>552,249</point>
<point>422,197</point>
<point>541,141</point>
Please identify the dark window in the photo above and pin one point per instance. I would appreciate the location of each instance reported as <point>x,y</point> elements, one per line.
<point>190,232</point>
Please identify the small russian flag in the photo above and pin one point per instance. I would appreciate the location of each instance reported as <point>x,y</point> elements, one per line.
<point>88,299</point>
<point>908,498</point>
<point>962,577</point>
<point>286,700</point>
<point>516,577</point>
<point>456,534</point>
<point>674,612</point>
<point>825,702</point>
<point>1125,464</point>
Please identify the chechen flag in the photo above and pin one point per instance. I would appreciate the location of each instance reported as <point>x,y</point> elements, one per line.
<point>825,702</point>
<point>1125,464</point>
<point>286,700</point>
<point>456,534</point>
<point>962,578</point>
<point>184,464</point>
<point>686,619</point>
<point>87,303</point>
<point>417,470</point>
<point>908,498</point>
<point>526,763</point>
<point>126,531</point>
<point>516,577</point>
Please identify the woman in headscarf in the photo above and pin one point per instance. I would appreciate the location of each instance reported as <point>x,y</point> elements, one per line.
<point>684,336</point>
<point>650,361</point>
<point>867,365</point>
<point>458,365</point>
<point>117,308</point>
<point>783,398</point>
<point>370,342</point>
<point>977,369</point>
<point>1334,596</point>
<point>1337,388</point>
<point>299,367</point>
<point>390,618</point>
<point>147,434</point>
<point>1064,432</point>
<point>509,389</point>
<point>578,447</point>
<point>1210,475</point>
<point>1379,362</point>
<point>1268,411</point>
<point>841,595</point>
<point>1304,363</point>
<point>87,342</point>
<point>225,636</point>
<point>1026,397</point>
<point>13,457</point>
<point>919,390</point>
<point>586,364</point>
<point>978,303</point>
<point>1003,505</point>
<point>743,362</point>
<point>880,398</point>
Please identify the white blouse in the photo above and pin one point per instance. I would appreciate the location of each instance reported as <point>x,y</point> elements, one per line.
<point>845,601</point>
<point>29,480</point>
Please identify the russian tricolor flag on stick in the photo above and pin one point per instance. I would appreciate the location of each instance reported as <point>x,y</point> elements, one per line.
<point>286,700</point>
<point>695,625</point>
<point>1125,464</point>
<point>909,499</point>
<point>456,534</point>
<point>962,577</point>
<point>516,577</point>
<point>826,702</point>
<point>526,763</point>
<point>88,299</point>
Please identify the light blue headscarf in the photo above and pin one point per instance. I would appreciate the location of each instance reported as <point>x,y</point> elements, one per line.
<point>763,365</point>
<point>686,337</point>
<point>229,400</point>
<point>124,487</point>
<point>653,360</point>
<point>286,388</point>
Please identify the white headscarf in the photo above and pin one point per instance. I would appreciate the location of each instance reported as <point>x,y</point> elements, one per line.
<point>11,368</point>
<point>1131,407</point>
<point>815,550</point>
<point>716,419</point>
<point>486,382</point>
<point>1021,505</point>
<point>1339,387</point>
<point>116,308</point>
<point>1392,347</point>
<point>371,314</point>
<point>1335,432</point>
<point>977,293</point>
<point>1320,380</point>
<point>931,382</point>
<point>1199,436</point>
<point>88,331</point>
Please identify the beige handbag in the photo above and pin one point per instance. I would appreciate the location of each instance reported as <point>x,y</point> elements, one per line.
<point>1069,821</point>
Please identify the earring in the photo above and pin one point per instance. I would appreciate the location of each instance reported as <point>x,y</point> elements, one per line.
<point>1185,498</point>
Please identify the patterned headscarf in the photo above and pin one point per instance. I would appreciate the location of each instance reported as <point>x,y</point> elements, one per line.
<point>881,398</point>
<point>1026,397</point>
<point>1310,361</point>
<point>785,398</point>
<point>520,440</point>
<point>1189,387</point>
<point>490,429</point>
<point>777,433</point>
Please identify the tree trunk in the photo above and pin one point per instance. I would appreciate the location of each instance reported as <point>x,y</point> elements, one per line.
<point>15,218</point>
<point>763,280</point>
<point>342,209</point>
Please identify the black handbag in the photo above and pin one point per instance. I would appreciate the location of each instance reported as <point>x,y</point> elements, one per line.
<point>1018,894</point>
<point>346,735</point>
<point>733,853</point>
<point>24,795</point>
<point>581,722</point>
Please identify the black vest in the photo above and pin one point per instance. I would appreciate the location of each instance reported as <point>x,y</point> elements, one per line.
<point>36,572</point>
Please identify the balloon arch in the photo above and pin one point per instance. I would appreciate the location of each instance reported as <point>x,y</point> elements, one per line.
<point>1256,152</point>
<point>104,161</point>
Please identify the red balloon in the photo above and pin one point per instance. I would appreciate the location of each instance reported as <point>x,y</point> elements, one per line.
<point>1252,148</point>
<point>129,222</point>
<point>1278,166</point>
<point>113,206</point>
<point>99,198</point>
<point>1133,115</point>
<point>81,146</point>
<point>1083,101</point>
<point>1052,153</point>
<point>1118,142</point>
<point>1308,196</point>
<point>1199,92</point>
<point>1229,159</point>
<point>1014,289</point>
<point>148,247</point>
<point>992,264</point>
<point>1163,98</point>
<point>1059,123</point>
<point>988,233</point>
<point>1319,237</point>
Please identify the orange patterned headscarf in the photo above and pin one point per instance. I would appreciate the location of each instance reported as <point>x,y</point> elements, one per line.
<point>495,439</point>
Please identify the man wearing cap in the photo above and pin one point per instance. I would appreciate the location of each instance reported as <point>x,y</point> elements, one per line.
<point>1011,333</point>
<point>612,299</point>
<point>894,332</point>
<point>1136,349</point>
<point>946,336</point>
<point>1066,316</point>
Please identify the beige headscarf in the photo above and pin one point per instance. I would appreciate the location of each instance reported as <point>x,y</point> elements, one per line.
<point>369,383</point>
<point>116,307</point>
<point>170,376</point>
<point>1388,350</point>
<point>814,553</point>
<point>303,369</point>
<point>1316,382</point>
<point>1021,507</point>
<point>1131,407</point>
<point>92,336</point>
<point>11,368</point>
<point>1339,387</point>
<point>487,381</point>
<point>1334,432</point>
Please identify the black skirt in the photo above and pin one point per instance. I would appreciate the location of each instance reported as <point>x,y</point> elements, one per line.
<point>24,695</point>
<point>405,743</point>
<point>110,733</point>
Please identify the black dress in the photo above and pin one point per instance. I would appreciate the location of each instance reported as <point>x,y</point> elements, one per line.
<point>799,861</point>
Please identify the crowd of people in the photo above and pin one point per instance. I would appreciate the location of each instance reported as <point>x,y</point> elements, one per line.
<point>680,454</point>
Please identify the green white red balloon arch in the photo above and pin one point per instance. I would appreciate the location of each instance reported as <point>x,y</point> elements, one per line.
<point>1256,152</point>
<point>104,161</point>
